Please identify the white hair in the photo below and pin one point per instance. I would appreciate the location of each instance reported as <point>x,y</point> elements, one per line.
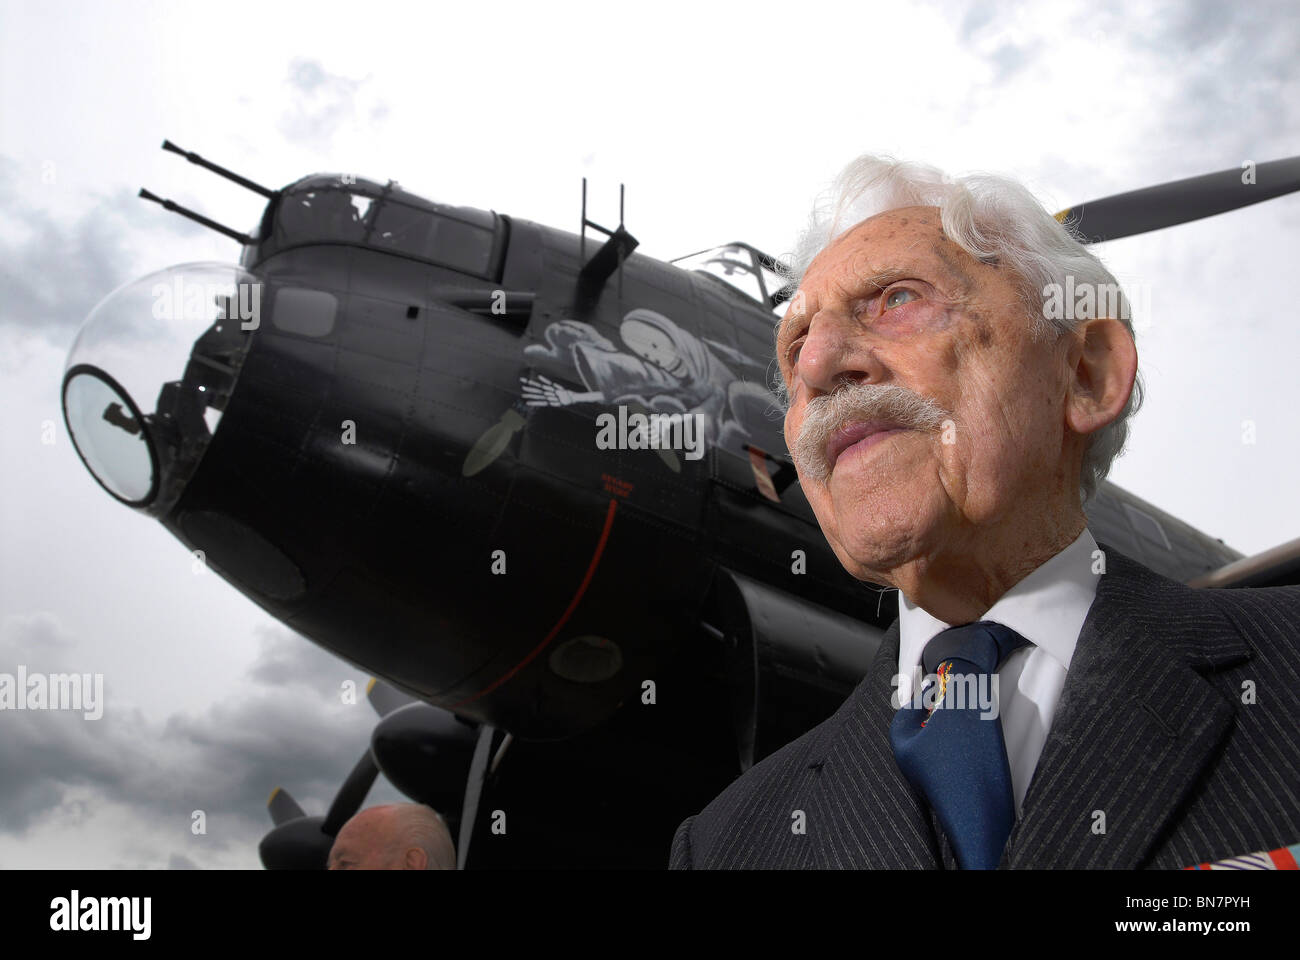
<point>418,825</point>
<point>995,220</point>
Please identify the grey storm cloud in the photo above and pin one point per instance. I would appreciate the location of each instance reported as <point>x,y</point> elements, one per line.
<point>322,102</point>
<point>1229,71</point>
<point>1010,59</point>
<point>977,16</point>
<point>52,277</point>
<point>286,726</point>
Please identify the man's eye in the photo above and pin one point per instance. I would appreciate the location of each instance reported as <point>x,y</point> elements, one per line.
<point>893,300</point>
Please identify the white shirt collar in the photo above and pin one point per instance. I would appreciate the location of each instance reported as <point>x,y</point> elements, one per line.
<point>1047,608</point>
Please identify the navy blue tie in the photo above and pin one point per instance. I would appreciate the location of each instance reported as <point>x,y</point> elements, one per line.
<point>951,750</point>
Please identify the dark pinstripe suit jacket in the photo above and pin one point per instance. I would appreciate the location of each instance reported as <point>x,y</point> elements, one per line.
<point>1151,730</point>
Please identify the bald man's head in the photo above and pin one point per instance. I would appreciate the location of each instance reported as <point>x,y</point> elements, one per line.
<point>399,836</point>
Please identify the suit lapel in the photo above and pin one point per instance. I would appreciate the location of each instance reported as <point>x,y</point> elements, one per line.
<point>865,815</point>
<point>1136,726</point>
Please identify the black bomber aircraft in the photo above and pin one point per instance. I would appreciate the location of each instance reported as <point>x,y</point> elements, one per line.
<point>535,485</point>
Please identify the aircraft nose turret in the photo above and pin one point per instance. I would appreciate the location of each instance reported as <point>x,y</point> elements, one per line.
<point>149,373</point>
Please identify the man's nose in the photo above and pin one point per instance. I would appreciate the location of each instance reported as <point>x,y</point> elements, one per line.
<point>835,350</point>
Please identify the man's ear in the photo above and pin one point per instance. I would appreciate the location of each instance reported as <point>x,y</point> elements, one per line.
<point>1103,366</point>
<point>415,859</point>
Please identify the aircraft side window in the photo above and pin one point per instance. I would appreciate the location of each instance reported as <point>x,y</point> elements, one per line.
<point>324,214</point>
<point>431,236</point>
<point>463,246</point>
<point>735,265</point>
<point>772,283</point>
<point>306,312</point>
<point>403,228</point>
<point>739,266</point>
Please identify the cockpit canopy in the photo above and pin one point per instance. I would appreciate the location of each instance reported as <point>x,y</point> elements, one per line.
<point>742,267</point>
<point>336,208</point>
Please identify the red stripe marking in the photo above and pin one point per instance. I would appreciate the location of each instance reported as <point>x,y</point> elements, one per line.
<point>1282,859</point>
<point>564,618</point>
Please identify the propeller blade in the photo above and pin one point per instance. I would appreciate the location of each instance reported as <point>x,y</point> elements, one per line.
<point>296,845</point>
<point>283,807</point>
<point>352,794</point>
<point>385,698</point>
<point>1181,201</point>
<point>425,752</point>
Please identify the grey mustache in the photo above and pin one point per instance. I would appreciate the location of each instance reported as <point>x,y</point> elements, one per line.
<point>858,402</point>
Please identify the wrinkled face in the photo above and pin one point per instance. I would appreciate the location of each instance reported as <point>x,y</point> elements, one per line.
<point>366,842</point>
<point>894,302</point>
<point>652,345</point>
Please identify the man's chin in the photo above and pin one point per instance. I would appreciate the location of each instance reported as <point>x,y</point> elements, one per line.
<point>876,560</point>
<point>876,538</point>
<point>875,568</point>
<point>886,503</point>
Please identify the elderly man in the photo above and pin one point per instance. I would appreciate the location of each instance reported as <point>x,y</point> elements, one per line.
<point>399,836</point>
<point>1041,701</point>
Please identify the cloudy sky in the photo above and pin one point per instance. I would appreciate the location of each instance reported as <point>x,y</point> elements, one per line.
<point>723,119</point>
